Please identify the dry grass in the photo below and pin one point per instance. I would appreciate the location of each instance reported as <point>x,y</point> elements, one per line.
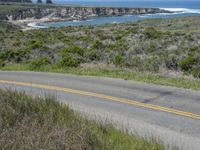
<point>36,123</point>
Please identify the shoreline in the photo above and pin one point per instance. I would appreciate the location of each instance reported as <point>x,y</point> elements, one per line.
<point>39,14</point>
<point>32,17</point>
<point>32,23</point>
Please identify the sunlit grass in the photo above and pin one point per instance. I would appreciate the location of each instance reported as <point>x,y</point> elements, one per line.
<point>115,73</point>
<point>44,123</point>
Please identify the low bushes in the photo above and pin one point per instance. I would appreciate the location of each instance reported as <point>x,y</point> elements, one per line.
<point>68,61</point>
<point>2,63</point>
<point>92,55</point>
<point>72,50</point>
<point>16,56</point>
<point>139,46</point>
<point>35,43</point>
<point>36,64</point>
<point>71,57</point>
<point>196,72</point>
<point>152,33</point>
<point>118,60</point>
<point>186,64</point>
<point>191,64</point>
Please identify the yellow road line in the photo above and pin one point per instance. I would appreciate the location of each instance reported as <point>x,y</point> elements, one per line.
<point>105,97</point>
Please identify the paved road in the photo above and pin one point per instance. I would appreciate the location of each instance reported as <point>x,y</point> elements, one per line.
<point>170,114</point>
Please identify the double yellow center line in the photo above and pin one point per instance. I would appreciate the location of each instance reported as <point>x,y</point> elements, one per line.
<point>104,97</point>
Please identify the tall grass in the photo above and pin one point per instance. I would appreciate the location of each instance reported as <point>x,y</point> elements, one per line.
<point>36,123</point>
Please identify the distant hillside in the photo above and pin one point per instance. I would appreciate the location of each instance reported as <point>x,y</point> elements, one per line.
<point>19,1</point>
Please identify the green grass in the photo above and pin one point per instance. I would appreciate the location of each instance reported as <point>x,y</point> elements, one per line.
<point>116,73</point>
<point>44,123</point>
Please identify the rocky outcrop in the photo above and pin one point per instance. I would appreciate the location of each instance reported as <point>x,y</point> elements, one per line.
<point>76,13</point>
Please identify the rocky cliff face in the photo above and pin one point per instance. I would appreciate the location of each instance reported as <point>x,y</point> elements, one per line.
<point>75,13</point>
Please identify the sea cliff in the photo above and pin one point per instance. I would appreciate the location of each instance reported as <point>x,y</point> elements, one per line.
<point>74,13</point>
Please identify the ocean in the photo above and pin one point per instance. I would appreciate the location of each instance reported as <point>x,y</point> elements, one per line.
<point>181,8</point>
<point>192,4</point>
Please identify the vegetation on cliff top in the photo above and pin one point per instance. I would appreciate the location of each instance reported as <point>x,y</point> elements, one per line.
<point>36,123</point>
<point>37,11</point>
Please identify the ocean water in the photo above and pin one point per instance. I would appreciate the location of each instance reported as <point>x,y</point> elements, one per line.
<point>192,4</point>
<point>181,8</point>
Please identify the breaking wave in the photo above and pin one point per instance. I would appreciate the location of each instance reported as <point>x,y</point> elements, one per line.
<point>176,11</point>
<point>35,25</point>
<point>183,10</point>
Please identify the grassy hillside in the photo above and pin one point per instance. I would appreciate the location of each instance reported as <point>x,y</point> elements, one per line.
<point>36,123</point>
<point>169,48</point>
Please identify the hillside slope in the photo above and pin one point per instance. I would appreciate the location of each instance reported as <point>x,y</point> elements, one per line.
<point>159,46</point>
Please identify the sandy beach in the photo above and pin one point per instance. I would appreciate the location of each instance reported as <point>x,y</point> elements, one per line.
<point>32,23</point>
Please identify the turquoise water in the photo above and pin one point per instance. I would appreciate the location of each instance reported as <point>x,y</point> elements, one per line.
<point>180,9</point>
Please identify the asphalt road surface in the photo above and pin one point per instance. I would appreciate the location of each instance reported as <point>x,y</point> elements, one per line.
<point>166,113</point>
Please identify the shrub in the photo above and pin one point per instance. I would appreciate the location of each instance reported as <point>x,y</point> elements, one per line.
<point>71,57</point>
<point>97,44</point>
<point>171,62</point>
<point>152,33</point>
<point>17,42</point>
<point>136,62</point>
<point>118,60</point>
<point>119,46</point>
<point>189,37</point>
<point>14,55</point>
<point>196,72</point>
<point>187,62</point>
<point>34,44</point>
<point>151,48</point>
<point>2,63</point>
<point>38,63</point>
<point>68,61</point>
<point>72,50</point>
<point>152,64</point>
<point>195,49</point>
<point>92,55</point>
<point>2,56</point>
